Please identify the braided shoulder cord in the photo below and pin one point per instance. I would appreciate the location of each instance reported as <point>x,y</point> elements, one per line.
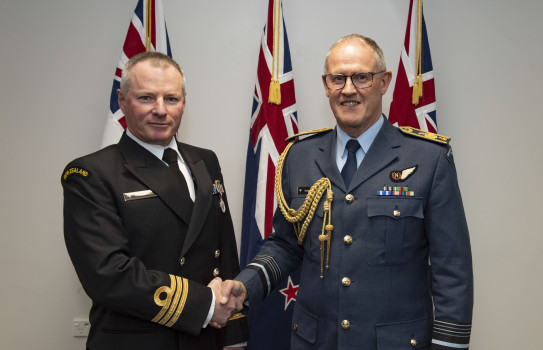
<point>308,208</point>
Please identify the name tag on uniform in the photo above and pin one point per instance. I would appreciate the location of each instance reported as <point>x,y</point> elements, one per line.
<point>131,196</point>
<point>303,190</point>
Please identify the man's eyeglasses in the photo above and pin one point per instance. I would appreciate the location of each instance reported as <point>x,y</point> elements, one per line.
<point>359,80</point>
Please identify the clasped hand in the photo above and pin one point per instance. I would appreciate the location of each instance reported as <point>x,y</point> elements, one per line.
<point>229,298</point>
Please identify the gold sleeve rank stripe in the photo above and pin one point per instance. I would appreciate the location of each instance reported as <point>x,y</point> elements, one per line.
<point>181,304</point>
<point>236,316</point>
<point>425,135</point>
<point>173,302</point>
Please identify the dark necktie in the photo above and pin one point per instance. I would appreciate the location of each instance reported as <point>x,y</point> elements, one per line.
<point>350,166</point>
<point>170,157</point>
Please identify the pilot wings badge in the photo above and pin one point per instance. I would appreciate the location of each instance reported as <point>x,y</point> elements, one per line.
<point>402,175</point>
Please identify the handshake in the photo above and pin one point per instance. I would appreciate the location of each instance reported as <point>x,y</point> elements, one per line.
<point>229,298</point>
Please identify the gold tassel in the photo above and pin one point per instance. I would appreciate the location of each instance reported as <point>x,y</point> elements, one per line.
<point>322,239</point>
<point>417,90</point>
<point>275,92</point>
<point>414,97</point>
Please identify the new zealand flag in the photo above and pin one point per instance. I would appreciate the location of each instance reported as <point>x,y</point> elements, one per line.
<point>273,119</point>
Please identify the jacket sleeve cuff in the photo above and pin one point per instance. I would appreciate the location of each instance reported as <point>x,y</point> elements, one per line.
<point>236,332</point>
<point>211,311</point>
<point>448,335</point>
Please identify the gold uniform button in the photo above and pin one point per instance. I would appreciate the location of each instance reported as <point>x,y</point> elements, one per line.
<point>345,324</point>
<point>347,240</point>
<point>182,261</point>
<point>413,342</point>
<point>396,213</point>
<point>349,198</point>
<point>295,327</point>
<point>217,254</point>
<point>216,272</point>
<point>346,281</point>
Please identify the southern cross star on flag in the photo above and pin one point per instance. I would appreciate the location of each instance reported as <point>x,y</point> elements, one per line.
<point>146,32</point>
<point>273,119</point>
<point>414,99</point>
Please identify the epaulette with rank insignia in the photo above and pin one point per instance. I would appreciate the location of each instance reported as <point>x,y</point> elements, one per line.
<point>308,132</point>
<point>425,135</point>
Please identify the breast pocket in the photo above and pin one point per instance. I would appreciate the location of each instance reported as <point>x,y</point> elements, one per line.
<point>143,216</point>
<point>392,220</point>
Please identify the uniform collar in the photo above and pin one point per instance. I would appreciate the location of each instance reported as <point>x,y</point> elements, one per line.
<point>365,140</point>
<point>156,150</point>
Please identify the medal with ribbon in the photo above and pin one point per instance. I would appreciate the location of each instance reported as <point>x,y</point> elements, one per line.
<point>219,190</point>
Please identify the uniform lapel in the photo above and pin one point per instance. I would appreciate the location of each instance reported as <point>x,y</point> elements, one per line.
<point>154,173</point>
<point>203,197</point>
<point>381,153</point>
<point>326,160</point>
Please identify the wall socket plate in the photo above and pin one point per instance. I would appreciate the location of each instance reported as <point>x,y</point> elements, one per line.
<point>80,327</point>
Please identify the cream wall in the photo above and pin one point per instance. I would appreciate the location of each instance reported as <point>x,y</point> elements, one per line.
<point>57,59</point>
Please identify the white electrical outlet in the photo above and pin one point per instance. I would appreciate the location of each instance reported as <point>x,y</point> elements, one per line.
<point>80,327</point>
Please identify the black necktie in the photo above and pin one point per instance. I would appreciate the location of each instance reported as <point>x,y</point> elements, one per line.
<point>170,157</point>
<point>350,166</point>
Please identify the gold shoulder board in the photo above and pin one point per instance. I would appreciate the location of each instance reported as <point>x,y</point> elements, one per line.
<point>425,135</point>
<point>308,132</point>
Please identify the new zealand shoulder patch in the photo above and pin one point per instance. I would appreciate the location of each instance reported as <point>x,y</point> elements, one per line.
<point>308,132</point>
<point>75,171</point>
<point>425,135</point>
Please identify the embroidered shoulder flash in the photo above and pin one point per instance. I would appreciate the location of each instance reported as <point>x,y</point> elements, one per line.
<point>308,132</point>
<point>75,171</point>
<point>425,135</point>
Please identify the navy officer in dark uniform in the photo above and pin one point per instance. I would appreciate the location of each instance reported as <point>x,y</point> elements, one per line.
<point>148,228</point>
<point>374,216</point>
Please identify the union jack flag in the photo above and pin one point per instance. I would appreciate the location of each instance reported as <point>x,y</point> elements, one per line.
<point>414,99</point>
<point>146,32</point>
<point>273,119</point>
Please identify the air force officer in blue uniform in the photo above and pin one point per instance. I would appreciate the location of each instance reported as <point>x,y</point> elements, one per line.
<point>379,290</point>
